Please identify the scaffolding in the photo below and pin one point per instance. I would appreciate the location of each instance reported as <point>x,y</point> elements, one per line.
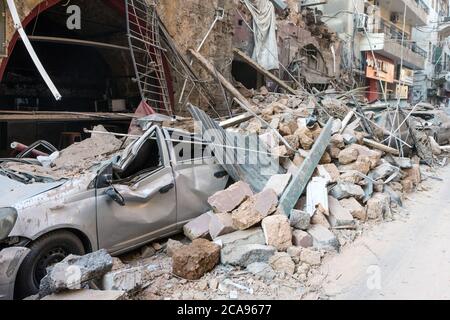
<point>147,54</point>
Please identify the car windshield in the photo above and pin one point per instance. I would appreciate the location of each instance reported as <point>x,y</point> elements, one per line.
<point>7,169</point>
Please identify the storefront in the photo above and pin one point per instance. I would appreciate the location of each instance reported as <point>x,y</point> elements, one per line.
<point>380,73</point>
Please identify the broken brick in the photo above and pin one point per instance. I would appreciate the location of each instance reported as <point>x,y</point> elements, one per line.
<point>194,260</point>
<point>220,224</point>
<point>229,199</point>
<point>198,227</point>
<point>355,208</point>
<point>339,216</point>
<point>253,210</point>
<point>302,239</point>
<point>277,232</point>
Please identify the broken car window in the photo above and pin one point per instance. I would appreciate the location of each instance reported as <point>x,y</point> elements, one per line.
<point>147,159</point>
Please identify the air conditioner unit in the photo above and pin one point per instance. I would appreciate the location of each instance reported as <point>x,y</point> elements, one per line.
<point>395,17</point>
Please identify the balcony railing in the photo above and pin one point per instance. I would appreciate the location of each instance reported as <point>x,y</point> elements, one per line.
<point>394,33</point>
<point>423,6</point>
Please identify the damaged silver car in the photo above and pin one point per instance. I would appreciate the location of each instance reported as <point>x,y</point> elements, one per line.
<point>120,199</point>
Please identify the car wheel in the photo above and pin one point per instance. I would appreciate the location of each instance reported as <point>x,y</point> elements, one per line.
<point>44,252</point>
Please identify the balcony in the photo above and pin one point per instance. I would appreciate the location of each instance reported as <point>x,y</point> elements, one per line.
<point>387,40</point>
<point>416,13</point>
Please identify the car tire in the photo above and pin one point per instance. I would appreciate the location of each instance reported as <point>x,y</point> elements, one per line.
<point>44,252</point>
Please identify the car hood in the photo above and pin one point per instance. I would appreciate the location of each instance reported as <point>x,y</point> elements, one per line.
<point>13,192</point>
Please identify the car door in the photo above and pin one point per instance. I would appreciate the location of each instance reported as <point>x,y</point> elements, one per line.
<point>138,208</point>
<point>197,176</point>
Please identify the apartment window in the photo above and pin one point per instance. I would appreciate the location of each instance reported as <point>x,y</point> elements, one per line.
<point>2,28</point>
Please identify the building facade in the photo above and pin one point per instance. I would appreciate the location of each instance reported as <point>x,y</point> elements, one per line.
<point>386,46</point>
<point>430,84</point>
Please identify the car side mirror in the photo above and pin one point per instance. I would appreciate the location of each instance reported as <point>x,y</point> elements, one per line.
<point>115,196</point>
<point>104,178</point>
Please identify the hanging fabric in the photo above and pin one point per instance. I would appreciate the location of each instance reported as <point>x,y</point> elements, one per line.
<point>264,27</point>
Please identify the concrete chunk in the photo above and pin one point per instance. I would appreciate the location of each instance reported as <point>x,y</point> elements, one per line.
<point>378,205</point>
<point>352,176</point>
<point>220,224</point>
<point>337,125</point>
<point>403,163</point>
<point>408,185</point>
<point>172,245</point>
<point>282,262</point>
<point>339,216</point>
<point>300,219</point>
<point>278,183</point>
<point>329,172</point>
<point>348,155</point>
<point>374,156</point>
<point>302,239</point>
<point>349,138</point>
<point>247,254</point>
<point>277,232</point>
<point>229,199</point>
<point>337,140</point>
<point>383,171</point>
<point>127,280</point>
<point>238,238</point>
<point>355,208</point>
<point>253,210</point>
<point>414,174</point>
<point>262,270</point>
<point>361,165</point>
<point>72,272</point>
<point>198,227</point>
<point>311,257</point>
<point>194,260</point>
<point>323,238</point>
<point>347,190</point>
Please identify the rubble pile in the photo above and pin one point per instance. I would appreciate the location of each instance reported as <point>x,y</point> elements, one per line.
<point>75,159</point>
<point>358,180</point>
<point>246,244</point>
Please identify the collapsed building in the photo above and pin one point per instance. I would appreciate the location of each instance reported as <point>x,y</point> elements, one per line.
<point>108,81</point>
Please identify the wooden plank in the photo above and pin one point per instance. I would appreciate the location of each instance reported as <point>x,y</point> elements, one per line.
<point>381,147</point>
<point>77,42</point>
<point>62,116</point>
<point>236,120</point>
<point>346,121</point>
<point>266,73</point>
<point>216,74</point>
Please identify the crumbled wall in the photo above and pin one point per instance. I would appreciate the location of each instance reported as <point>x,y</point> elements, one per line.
<point>188,21</point>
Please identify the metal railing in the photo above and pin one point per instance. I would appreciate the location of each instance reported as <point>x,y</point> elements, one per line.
<point>395,34</point>
<point>422,5</point>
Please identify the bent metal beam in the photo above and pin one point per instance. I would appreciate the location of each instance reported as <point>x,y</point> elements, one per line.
<point>18,26</point>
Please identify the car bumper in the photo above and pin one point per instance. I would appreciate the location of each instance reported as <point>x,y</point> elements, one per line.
<point>10,261</point>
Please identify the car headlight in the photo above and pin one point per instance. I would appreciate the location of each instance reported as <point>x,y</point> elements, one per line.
<point>8,217</point>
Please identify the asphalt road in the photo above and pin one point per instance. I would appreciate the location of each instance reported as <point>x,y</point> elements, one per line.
<point>405,259</point>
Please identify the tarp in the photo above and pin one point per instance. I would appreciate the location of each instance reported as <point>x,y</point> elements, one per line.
<point>264,27</point>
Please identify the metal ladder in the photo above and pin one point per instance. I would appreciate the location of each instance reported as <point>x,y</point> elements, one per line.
<point>146,52</point>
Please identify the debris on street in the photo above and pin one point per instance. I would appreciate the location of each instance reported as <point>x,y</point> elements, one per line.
<point>244,167</point>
